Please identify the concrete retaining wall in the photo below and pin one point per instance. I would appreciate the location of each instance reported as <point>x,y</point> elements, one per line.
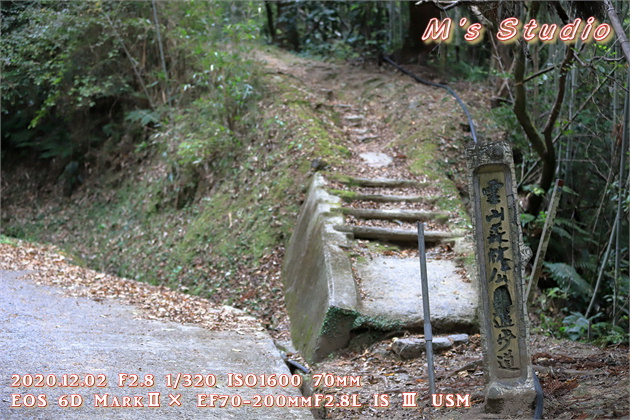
<point>320,292</point>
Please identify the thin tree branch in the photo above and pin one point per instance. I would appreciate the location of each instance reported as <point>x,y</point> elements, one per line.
<point>601,270</point>
<point>520,105</point>
<point>450,5</point>
<point>539,73</point>
<point>520,100</point>
<point>162,59</point>
<point>555,111</point>
<point>131,60</point>
<point>584,103</point>
<point>608,60</point>
<point>529,171</point>
<point>561,12</point>
<point>497,55</point>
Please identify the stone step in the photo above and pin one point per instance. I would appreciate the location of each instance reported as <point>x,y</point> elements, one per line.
<point>396,235</point>
<point>391,289</point>
<point>367,138</point>
<point>376,160</point>
<point>330,298</point>
<point>383,198</point>
<point>354,119</point>
<point>396,214</point>
<point>378,182</point>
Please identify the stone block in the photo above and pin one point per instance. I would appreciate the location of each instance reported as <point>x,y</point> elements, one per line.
<point>409,348</point>
<point>459,339</point>
<point>441,343</point>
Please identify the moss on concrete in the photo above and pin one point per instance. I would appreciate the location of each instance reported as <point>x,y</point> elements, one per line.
<point>347,196</point>
<point>344,179</point>
<point>336,321</point>
<point>379,323</point>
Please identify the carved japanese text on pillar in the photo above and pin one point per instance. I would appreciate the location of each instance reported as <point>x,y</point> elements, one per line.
<point>500,273</point>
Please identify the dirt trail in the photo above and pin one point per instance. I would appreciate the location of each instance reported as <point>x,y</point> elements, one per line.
<point>359,95</point>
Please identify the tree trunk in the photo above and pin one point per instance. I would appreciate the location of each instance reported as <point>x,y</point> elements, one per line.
<point>542,144</point>
<point>419,17</point>
<point>287,35</point>
<point>618,27</point>
<point>270,25</point>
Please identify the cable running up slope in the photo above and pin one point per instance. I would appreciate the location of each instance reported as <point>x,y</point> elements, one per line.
<point>388,60</point>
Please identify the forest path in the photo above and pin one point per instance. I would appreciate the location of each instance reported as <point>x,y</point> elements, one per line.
<point>385,188</point>
<point>579,380</point>
<point>361,97</point>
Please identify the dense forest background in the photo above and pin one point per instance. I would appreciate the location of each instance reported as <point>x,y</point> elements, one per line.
<point>95,93</point>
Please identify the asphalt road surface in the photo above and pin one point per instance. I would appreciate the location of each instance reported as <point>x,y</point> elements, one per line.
<point>60,351</point>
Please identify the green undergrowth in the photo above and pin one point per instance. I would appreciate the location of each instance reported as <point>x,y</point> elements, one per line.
<point>7,240</point>
<point>200,226</point>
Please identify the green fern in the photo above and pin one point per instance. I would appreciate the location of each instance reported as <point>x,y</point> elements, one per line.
<point>143,116</point>
<point>572,225</point>
<point>562,233</point>
<point>569,279</point>
<point>587,263</point>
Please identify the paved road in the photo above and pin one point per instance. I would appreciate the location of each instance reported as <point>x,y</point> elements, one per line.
<point>44,332</point>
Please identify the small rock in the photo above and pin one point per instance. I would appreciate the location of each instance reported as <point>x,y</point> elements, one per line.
<point>442,343</point>
<point>359,131</point>
<point>459,338</point>
<point>404,378</point>
<point>380,353</point>
<point>411,348</point>
<point>330,95</point>
<point>408,348</point>
<point>381,350</point>
<point>376,160</point>
<point>365,139</point>
<point>318,164</point>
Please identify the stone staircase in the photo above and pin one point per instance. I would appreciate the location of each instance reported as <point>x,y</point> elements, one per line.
<point>352,270</point>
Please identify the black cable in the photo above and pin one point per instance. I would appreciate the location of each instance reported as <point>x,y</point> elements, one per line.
<point>426,82</point>
<point>293,366</point>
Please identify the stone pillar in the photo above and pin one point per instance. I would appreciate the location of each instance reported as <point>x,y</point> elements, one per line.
<point>501,257</point>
